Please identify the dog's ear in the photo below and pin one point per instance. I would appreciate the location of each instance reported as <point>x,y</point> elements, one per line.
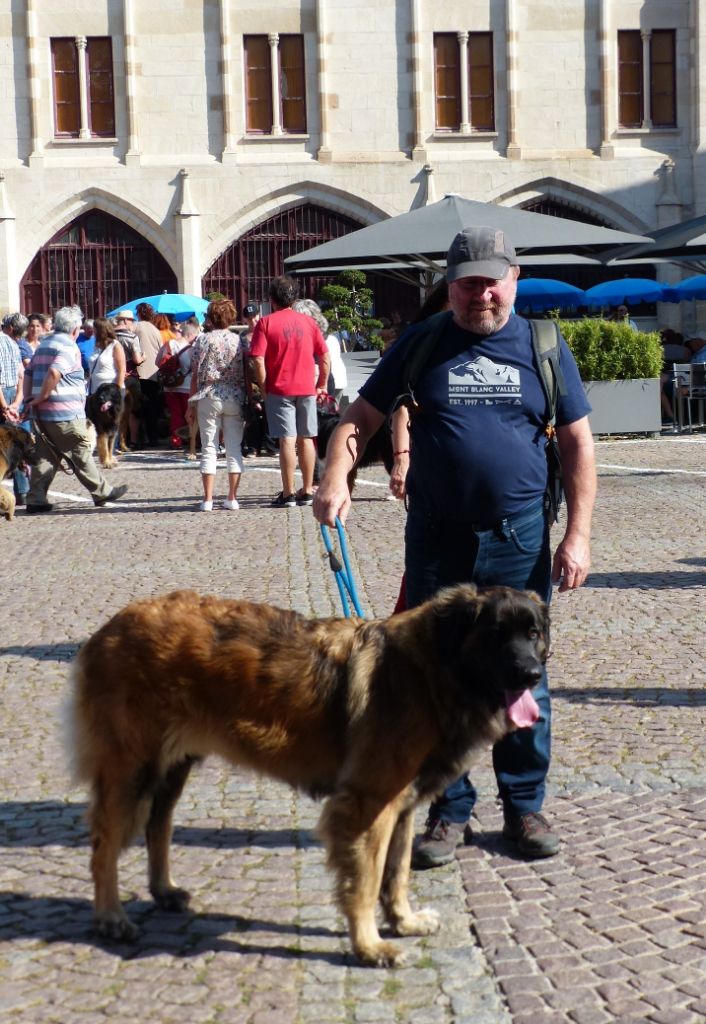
<point>456,610</point>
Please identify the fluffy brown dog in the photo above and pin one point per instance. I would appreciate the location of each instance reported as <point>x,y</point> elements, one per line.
<point>375,715</point>
<point>16,449</point>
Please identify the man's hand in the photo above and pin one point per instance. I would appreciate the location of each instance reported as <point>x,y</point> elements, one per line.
<point>572,560</point>
<point>330,500</point>
<point>358,424</point>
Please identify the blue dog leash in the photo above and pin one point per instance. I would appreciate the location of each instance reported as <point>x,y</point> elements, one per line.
<point>343,574</point>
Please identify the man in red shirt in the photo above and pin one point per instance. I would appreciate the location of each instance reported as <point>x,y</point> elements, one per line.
<point>290,362</point>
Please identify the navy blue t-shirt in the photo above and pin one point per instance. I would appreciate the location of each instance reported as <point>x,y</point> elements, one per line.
<point>478,444</point>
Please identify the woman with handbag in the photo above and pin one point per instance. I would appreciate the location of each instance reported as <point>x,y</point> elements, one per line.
<point>174,373</point>
<point>218,398</point>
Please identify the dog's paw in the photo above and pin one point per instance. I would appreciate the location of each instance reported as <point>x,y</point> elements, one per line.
<point>382,954</point>
<point>424,922</point>
<point>172,899</point>
<point>116,927</point>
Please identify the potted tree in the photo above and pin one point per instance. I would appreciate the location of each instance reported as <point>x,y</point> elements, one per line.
<point>620,370</point>
<point>347,305</point>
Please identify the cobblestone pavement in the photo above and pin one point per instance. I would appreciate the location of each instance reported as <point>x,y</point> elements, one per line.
<point>613,929</point>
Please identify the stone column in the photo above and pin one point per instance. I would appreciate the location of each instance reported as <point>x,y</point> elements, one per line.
<point>188,236</point>
<point>697,28</point>
<point>34,82</point>
<point>229,142</point>
<point>646,98</point>
<point>513,152</point>
<point>608,90</point>
<point>324,154</point>
<point>273,40</point>
<point>132,156</point>
<point>81,47</point>
<point>9,270</point>
<point>465,128</point>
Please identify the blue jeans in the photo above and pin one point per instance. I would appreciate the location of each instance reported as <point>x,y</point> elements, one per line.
<point>514,553</point>
<point>20,480</point>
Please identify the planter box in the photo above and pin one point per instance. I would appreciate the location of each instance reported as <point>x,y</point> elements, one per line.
<point>624,406</point>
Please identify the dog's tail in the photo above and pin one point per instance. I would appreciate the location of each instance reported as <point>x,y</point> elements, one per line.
<point>74,729</point>
<point>93,762</point>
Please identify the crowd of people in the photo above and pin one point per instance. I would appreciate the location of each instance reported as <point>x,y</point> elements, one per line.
<point>244,392</point>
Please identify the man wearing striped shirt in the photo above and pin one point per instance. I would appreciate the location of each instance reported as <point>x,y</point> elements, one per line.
<point>55,394</point>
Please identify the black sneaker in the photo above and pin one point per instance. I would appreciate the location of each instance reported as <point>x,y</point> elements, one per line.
<point>533,835</point>
<point>304,498</point>
<point>36,509</point>
<point>284,500</point>
<point>438,844</point>
<point>114,495</point>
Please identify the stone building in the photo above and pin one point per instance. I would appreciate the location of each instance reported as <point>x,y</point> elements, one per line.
<point>193,144</point>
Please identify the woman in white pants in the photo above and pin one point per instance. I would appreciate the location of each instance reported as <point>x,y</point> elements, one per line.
<point>217,399</point>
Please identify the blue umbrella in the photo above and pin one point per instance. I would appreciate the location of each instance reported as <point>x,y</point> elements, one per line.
<point>181,307</point>
<point>624,291</point>
<point>539,294</point>
<point>690,288</point>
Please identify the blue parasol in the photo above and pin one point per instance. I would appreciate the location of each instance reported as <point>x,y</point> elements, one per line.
<point>690,288</point>
<point>181,307</point>
<point>538,294</point>
<point>624,291</point>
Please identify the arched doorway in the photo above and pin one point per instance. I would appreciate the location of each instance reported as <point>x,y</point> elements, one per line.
<point>96,262</point>
<point>583,275</point>
<point>244,270</point>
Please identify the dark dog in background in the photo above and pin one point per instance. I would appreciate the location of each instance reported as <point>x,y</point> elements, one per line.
<point>130,415</point>
<point>16,451</point>
<point>103,409</point>
<point>378,449</point>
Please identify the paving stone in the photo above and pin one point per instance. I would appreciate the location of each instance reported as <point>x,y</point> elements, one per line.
<point>611,930</point>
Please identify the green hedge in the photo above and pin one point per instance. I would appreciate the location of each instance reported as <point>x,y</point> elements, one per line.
<point>606,350</point>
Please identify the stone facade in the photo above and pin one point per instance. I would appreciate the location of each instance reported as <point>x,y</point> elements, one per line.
<point>184,173</point>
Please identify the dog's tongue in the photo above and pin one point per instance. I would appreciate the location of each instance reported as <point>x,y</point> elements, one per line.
<point>522,709</point>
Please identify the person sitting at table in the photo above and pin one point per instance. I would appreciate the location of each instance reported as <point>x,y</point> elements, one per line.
<point>674,350</point>
<point>697,348</point>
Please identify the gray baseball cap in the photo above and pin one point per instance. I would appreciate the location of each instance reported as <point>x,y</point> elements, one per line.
<point>480,252</point>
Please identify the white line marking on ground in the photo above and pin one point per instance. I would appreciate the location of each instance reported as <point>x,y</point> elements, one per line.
<point>653,469</point>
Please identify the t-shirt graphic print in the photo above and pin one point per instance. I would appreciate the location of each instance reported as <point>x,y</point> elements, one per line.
<point>481,381</point>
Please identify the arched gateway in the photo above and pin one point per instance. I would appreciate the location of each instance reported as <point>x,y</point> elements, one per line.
<point>244,270</point>
<point>97,263</point>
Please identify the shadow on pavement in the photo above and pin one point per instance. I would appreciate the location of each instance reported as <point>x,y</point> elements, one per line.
<point>42,652</point>
<point>646,580</point>
<point>38,823</point>
<point>50,919</point>
<point>640,696</point>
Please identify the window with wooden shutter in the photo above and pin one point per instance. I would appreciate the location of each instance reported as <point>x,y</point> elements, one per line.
<point>630,97</point>
<point>67,102</point>
<point>258,85</point>
<point>447,81</point>
<point>292,84</point>
<point>101,106</point>
<point>481,81</point>
<point>70,83</point>
<point>663,89</point>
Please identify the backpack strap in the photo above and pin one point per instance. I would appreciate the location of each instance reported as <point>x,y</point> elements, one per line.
<point>545,342</point>
<point>417,355</point>
<point>546,338</point>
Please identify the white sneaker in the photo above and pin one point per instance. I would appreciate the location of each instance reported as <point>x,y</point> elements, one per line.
<point>231,505</point>
<point>206,506</point>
